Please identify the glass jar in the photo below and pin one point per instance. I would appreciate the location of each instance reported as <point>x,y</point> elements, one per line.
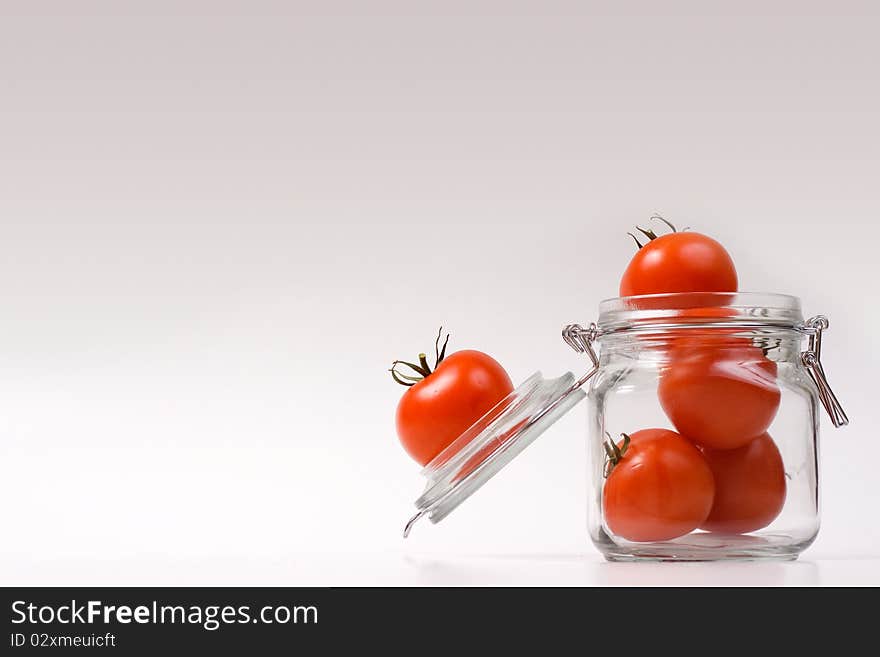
<point>703,428</point>
<point>728,373</point>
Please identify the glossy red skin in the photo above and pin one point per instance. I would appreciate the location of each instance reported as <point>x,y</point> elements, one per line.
<point>679,262</point>
<point>749,486</point>
<point>719,396</point>
<point>660,490</point>
<point>435,411</point>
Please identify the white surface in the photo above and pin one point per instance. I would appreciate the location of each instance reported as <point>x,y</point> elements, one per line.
<point>221,221</point>
<point>417,569</point>
<point>244,517</point>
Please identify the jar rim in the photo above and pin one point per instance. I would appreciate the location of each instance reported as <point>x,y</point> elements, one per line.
<point>699,309</point>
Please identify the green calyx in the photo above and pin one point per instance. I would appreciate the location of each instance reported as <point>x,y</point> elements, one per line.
<point>422,370</point>
<point>649,233</point>
<point>613,453</point>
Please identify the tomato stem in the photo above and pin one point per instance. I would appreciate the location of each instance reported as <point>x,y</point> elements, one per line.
<point>614,453</point>
<point>638,244</point>
<point>438,357</point>
<point>649,233</point>
<point>397,377</point>
<point>413,379</point>
<point>657,217</point>
<point>412,366</point>
<point>422,369</point>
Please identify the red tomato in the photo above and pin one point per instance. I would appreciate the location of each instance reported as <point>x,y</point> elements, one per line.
<point>719,396</point>
<point>679,262</point>
<point>463,387</point>
<point>749,486</point>
<point>660,489</point>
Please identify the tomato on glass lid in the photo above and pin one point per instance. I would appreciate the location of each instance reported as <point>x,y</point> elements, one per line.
<point>749,486</point>
<point>719,394</point>
<point>680,261</point>
<point>440,404</point>
<point>658,486</point>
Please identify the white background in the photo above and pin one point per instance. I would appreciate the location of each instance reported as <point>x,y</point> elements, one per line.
<point>221,221</point>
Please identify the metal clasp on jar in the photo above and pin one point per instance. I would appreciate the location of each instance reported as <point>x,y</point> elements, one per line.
<point>581,340</point>
<point>811,358</point>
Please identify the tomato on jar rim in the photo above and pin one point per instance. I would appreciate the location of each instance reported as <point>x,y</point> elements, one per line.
<point>442,403</point>
<point>678,262</point>
<point>658,486</point>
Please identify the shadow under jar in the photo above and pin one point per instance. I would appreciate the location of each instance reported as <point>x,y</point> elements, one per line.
<point>703,426</point>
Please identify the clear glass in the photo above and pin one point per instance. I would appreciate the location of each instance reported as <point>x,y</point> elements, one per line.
<point>492,442</point>
<point>703,360</point>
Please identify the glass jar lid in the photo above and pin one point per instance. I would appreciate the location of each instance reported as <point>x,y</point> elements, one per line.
<point>492,442</point>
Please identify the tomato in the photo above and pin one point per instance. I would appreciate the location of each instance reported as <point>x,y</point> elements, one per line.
<point>440,405</point>
<point>660,488</point>
<point>749,486</point>
<point>679,262</point>
<point>719,394</point>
